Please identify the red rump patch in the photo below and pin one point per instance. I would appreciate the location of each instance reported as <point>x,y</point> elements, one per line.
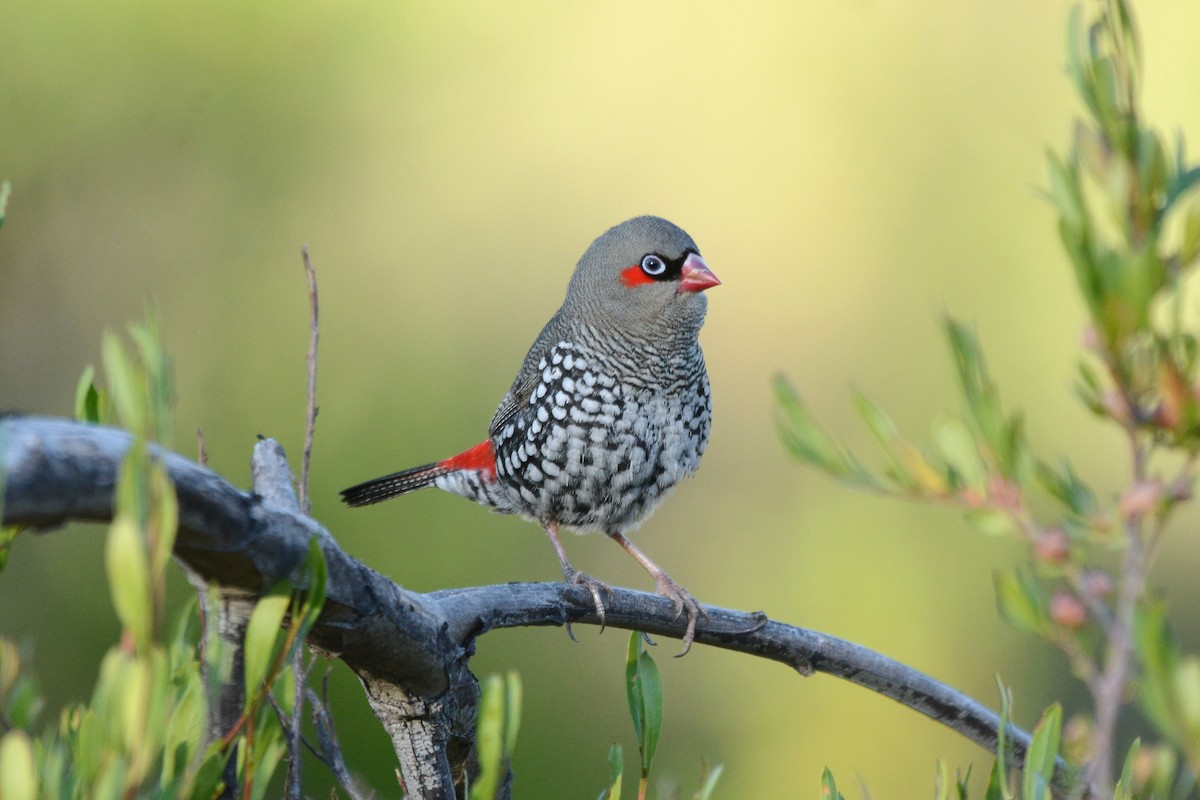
<point>480,457</point>
<point>635,276</point>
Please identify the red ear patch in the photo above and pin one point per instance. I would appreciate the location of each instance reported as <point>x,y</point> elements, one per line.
<point>634,276</point>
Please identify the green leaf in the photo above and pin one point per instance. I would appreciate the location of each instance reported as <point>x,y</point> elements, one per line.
<point>1065,192</point>
<point>126,384</point>
<point>316,572</point>
<point>633,687</point>
<point>829,790</point>
<point>998,787</point>
<point>942,782</point>
<point>1066,487</point>
<point>8,535</point>
<point>512,710</point>
<point>652,697</point>
<point>810,443</point>
<point>909,467</point>
<point>210,775</point>
<point>164,516</point>
<point>961,452</point>
<point>990,521</point>
<point>87,399</point>
<point>1021,602</point>
<point>134,699</point>
<point>5,194</point>
<point>489,738</point>
<point>709,784</point>
<point>615,768</point>
<point>1124,790</point>
<point>262,632</point>
<point>1043,751</point>
<point>643,689</point>
<point>1159,659</point>
<point>18,774</point>
<point>962,782</point>
<point>1187,696</point>
<point>1002,439</point>
<point>129,578</point>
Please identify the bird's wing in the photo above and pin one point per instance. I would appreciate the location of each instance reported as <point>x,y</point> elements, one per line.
<point>517,397</point>
<point>530,374</point>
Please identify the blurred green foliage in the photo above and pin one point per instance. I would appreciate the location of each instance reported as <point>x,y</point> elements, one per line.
<point>1088,588</point>
<point>145,731</point>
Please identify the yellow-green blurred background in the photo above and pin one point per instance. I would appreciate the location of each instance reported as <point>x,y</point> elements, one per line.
<point>852,170</point>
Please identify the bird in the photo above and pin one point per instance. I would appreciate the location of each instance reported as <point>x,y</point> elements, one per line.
<point>610,409</point>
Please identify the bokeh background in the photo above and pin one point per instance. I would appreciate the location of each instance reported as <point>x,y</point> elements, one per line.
<point>852,171</point>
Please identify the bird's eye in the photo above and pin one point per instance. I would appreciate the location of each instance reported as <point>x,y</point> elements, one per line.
<point>653,265</point>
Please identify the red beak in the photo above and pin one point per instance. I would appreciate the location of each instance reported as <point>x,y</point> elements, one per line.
<point>696,276</point>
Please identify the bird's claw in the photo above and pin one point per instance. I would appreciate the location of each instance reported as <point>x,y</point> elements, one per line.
<point>574,577</point>
<point>682,601</point>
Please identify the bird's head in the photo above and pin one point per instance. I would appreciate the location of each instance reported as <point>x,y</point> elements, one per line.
<point>645,276</point>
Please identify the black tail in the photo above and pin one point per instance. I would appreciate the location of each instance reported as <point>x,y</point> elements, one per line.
<point>394,485</point>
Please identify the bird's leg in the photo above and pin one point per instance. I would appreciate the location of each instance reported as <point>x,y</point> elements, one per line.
<point>668,587</point>
<point>574,577</point>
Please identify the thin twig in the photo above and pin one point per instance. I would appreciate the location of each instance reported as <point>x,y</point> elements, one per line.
<point>311,422</point>
<point>201,448</point>
<point>1108,688</point>
<point>327,737</point>
<point>285,722</point>
<point>292,727</point>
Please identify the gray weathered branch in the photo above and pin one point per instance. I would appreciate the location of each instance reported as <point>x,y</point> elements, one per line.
<point>411,650</point>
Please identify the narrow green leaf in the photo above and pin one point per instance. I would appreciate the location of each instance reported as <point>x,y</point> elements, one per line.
<point>87,399</point>
<point>959,449</point>
<point>829,790</point>
<point>1187,696</point>
<point>134,699</point>
<point>709,784</point>
<point>1124,790</point>
<point>979,391</point>
<point>910,468</point>
<point>5,194</point>
<point>209,777</point>
<point>165,515</point>
<point>810,443</point>
<point>942,782</point>
<point>262,632</point>
<point>962,783</point>
<point>1021,602</point>
<point>633,687</point>
<point>998,786</point>
<point>129,577</point>
<point>8,534</point>
<point>512,710</point>
<point>1043,750</point>
<point>126,385</point>
<point>990,521</point>
<point>1065,191</point>
<point>316,572</point>
<point>616,766</point>
<point>25,703</point>
<point>652,708</point>
<point>1065,486</point>
<point>1159,658</point>
<point>489,738</point>
<point>18,773</point>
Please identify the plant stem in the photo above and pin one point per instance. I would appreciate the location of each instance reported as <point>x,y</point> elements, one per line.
<point>1109,687</point>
